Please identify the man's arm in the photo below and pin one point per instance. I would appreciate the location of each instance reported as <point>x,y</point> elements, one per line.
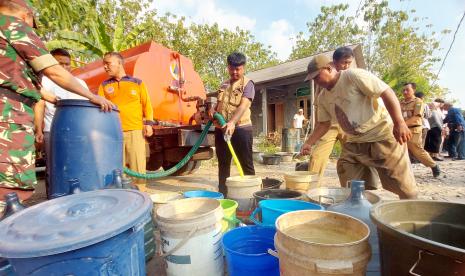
<point>243,106</point>
<point>320,129</point>
<point>147,109</point>
<point>401,131</point>
<point>67,81</point>
<point>39,110</point>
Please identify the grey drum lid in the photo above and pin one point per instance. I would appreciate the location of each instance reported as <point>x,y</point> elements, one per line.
<point>72,222</point>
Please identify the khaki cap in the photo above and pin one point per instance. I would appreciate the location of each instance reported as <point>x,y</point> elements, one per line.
<point>313,68</point>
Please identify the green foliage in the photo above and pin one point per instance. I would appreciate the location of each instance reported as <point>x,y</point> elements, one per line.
<point>91,28</point>
<point>269,145</point>
<point>394,47</point>
<point>329,30</point>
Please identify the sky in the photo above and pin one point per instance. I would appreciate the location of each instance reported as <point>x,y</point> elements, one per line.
<point>277,22</point>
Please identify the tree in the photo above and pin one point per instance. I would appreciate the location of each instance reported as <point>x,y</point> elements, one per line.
<point>394,48</point>
<point>99,26</point>
<point>329,30</point>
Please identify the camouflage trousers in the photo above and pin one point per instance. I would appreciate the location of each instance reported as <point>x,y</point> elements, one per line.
<point>17,156</point>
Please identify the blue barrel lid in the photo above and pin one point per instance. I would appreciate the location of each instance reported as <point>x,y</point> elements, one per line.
<point>72,222</point>
<point>77,102</point>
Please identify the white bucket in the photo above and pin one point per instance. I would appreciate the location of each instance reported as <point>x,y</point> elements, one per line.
<point>241,189</point>
<point>191,236</point>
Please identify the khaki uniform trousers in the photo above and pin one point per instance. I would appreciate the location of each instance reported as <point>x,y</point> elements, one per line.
<point>388,157</point>
<point>415,146</point>
<point>134,150</point>
<point>320,156</point>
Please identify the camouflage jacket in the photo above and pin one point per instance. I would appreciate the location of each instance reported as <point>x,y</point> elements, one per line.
<point>22,56</point>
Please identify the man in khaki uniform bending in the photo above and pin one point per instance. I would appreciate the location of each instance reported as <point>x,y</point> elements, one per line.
<point>350,97</point>
<point>342,59</point>
<point>412,111</point>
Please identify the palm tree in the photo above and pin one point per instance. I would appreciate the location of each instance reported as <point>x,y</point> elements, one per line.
<point>98,40</point>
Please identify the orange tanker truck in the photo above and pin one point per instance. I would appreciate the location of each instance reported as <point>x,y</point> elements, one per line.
<point>178,98</point>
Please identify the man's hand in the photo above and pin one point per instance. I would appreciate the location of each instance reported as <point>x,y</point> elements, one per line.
<point>105,105</point>
<point>229,128</point>
<point>306,149</point>
<point>402,133</point>
<point>39,136</point>
<point>148,131</point>
<point>459,128</point>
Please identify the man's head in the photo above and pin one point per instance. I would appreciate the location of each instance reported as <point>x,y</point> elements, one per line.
<point>63,57</point>
<point>409,90</point>
<point>419,94</point>
<point>113,63</point>
<point>301,111</point>
<point>447,106</point>
<point>21,9</point>
<point>342,58</point>
<point>321,71</point>
<point>236,65</point>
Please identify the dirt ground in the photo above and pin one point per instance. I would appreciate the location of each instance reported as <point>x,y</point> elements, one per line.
<point>450,186</point>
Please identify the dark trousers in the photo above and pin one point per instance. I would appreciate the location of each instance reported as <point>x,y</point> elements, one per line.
<point>241,142</point>
<point>456,145</point>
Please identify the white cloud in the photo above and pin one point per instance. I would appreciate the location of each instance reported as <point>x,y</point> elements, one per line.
<point>280,36</point>
<point>206,12</point>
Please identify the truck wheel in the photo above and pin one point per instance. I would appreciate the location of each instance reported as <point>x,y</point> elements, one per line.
<point>185,170</point>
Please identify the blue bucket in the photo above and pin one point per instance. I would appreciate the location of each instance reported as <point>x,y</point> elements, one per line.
<point>205,194</point>
<point>92,233</point>
<point>246,250</point>
<point>271,209</point>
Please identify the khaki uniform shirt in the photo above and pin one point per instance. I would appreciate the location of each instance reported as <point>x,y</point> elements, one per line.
<point>230,96</point>
<point>353,103</point>
<point>413,108</point>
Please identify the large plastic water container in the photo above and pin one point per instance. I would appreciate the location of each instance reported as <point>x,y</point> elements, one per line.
<point>92,233</point>
<point>357,206</point>
<point>87,144</point>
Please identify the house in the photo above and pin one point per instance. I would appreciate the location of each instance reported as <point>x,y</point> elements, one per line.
<point>281,91</point>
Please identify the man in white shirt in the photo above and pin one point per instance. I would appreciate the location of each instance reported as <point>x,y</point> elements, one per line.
<point>298,120</point>
<point>44,111</point>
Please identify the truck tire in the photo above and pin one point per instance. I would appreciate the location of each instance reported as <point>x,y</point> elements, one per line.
<point>187,169</point>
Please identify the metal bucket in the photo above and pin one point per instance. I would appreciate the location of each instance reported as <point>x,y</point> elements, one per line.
<point>271,159</point>
<point>421,237</point>
<point>277,193</point>
<point>327,196</point>
<point>271,183</point>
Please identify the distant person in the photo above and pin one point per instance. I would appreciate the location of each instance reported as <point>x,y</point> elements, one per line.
<point>456,124</point>
<point>235,97</point>
<point>433,138</point>
<point>45,111</point>
<point>350,98</point>
<point>131,97</point>
<point>298,120</point>
<point>426,116</point>
<point>342,60</point>
<point>412,112</point>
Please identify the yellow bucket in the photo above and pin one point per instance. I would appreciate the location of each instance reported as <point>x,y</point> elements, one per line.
<point>229,210</point>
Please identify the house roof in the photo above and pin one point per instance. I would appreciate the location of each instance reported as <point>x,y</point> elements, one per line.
<point>298,67</point>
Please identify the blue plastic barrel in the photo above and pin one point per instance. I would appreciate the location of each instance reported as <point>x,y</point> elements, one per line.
<point>92,233</point>
<point>86,144</point>
<point>246,250</point>
<point>271,209</point>
<point>204,194</point>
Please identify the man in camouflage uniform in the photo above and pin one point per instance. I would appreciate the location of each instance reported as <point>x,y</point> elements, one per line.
<point>23,57</point>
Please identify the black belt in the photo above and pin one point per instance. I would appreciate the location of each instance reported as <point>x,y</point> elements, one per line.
<point>414,126</point>
<point>17,97</point>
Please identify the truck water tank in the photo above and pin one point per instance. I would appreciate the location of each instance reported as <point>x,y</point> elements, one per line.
<point>86,144</point>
